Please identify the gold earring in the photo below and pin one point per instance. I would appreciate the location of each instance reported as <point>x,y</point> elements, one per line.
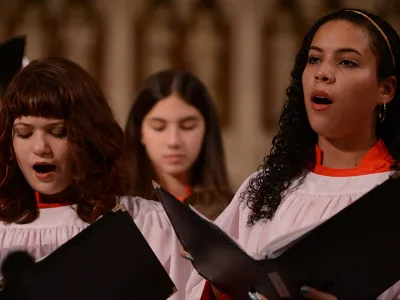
<point>382,111</point>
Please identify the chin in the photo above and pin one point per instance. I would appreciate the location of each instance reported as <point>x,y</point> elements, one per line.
<point>176,171</point>
<point>323,128</point>
<point>48,190</point>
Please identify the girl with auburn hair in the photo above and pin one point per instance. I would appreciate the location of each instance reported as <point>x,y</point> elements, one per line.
<point>61,166</point>
<point>339,137</point>
<point>173,136</point>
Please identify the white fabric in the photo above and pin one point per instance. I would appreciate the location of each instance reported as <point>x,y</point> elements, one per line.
<point>316,199</point>
<point>25,61</point>
<point>55,226</point>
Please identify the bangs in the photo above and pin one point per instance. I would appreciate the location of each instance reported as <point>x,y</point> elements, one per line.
<point>36,98</point>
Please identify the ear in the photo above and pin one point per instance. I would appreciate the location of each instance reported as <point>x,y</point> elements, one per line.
<point>387,89</point>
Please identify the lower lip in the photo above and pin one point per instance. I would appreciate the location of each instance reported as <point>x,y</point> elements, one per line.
<point>174,158</point>
<point>44,176</point>
<point>319,107</point>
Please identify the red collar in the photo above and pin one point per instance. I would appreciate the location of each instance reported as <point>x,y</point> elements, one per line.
<point>377,160</point>
<point>188,192</point>
<point>50,205</point>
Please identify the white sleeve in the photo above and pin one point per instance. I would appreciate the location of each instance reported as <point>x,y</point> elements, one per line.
<point>152,221</point>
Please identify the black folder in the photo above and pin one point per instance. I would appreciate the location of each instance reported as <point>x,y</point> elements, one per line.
<point>11,56</point>
<point>110,259</point>
<point>354,255</point>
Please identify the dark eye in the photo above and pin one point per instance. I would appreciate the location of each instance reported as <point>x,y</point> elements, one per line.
<point>348,63</point>
<point>313,60</point>
<point>23,135</point>
<point>158,127</point>
<point>190,125</point>
<point>59,132</point>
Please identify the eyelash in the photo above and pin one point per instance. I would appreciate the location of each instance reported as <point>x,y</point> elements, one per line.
<point>24,136</point>
<point>185,128</point>
<point>312,60</point>
<point>350,63</point>
<point>57,135</point>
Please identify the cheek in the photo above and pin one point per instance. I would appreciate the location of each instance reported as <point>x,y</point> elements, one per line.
<point>307,79</point>
<point>20,149</point>
<point>194,142</point>
<point>150,137</point>
<point>62,152</point>
<point>15,147</point>
<point>151,141</point>
<point>361,94</point>
<point>21,156</point>
<point>154,153</point>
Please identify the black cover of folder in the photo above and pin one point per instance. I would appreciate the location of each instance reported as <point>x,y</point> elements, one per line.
<point>110,259</point>
<point>11,56</point>
<point>354,255</point>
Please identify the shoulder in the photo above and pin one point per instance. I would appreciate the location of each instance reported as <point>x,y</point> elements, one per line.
<point>244,187</point>
<point>237,212</point>
<point>315,184</point>
<point>152,221</point>
<point>50,218</point>
<point>146,213</point>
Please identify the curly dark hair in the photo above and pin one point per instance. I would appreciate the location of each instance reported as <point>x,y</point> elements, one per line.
<point>58,88</point>
<point>293,148</point>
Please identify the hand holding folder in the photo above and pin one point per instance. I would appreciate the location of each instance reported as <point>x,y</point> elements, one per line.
<point>352,255</point>
<point>110,259</point>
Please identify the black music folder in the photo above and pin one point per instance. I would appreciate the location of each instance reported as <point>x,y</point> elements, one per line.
<point>110,259</point>
<point>354,255</point>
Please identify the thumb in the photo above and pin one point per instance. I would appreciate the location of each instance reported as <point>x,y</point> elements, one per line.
<point>311,293</point>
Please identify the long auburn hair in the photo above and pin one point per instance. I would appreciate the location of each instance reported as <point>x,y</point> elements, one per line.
<point>60,89</point>
<point>208,173</point>
<point>293,148</point>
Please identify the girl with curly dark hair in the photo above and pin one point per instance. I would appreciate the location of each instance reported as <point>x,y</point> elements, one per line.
<point>339,137</point>
<point>61,165</point>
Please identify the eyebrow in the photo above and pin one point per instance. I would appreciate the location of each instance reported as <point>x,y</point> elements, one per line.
<point>341,50</point>
<point>54,124</point>
<point>184,119</point>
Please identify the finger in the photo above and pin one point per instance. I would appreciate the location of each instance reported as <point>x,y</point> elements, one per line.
<point>185,254</point>
<point>311,293</point>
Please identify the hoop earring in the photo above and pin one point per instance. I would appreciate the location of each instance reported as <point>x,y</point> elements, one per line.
<point>382,111</point>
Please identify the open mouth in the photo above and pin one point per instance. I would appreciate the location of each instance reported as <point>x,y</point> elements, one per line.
<point>44,168</point>
<point>321,100</point>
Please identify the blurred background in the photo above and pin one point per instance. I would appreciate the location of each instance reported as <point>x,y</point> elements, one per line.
<point>243,50</point>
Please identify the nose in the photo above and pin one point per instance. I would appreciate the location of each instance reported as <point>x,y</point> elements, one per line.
<point>41,146</point>
<point>325,74</point>
<point>173,139</point>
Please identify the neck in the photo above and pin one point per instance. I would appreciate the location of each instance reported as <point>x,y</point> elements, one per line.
<point>176,185</point>
<point>70,194</point>
<point>345,153</point>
